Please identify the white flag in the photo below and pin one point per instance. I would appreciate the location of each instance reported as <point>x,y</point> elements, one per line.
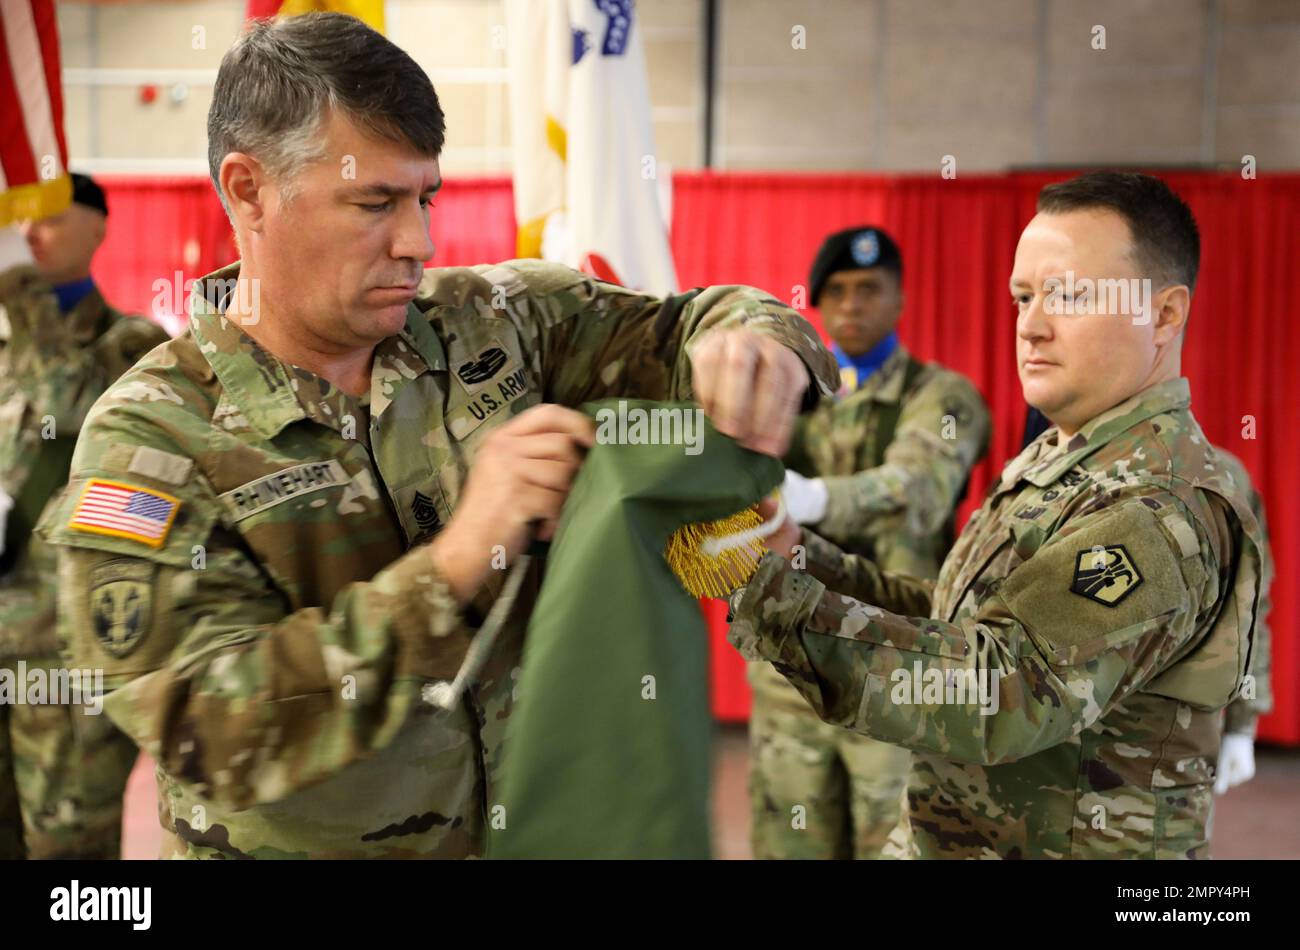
<point>586,176</point>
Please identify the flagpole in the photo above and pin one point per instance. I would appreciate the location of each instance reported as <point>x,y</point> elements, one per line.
<point>710,49</point>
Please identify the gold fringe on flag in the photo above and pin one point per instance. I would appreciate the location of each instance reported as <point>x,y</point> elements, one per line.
<point>715,575</point>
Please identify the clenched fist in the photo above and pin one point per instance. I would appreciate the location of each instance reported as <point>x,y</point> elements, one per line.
<point>520,480</point>
<point>750,385</point>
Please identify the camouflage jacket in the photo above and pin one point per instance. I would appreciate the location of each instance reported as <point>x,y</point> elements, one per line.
<point>270,648</point>
<point>53,367</point>
<point>891,502</point>
<point>1243,713</point>
<point>1061,684</point>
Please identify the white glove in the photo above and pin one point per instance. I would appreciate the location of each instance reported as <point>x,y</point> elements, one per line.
<point>805,498</point>
<point>1236,761</point>
<point>6,503</point>
<point>14,249</point>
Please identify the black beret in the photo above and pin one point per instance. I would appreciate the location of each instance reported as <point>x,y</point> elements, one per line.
<point>86,191</point>
<point>851,249</point>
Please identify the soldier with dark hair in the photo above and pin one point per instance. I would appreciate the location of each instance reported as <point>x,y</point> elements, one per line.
<point>879,471</point>
<point>1062,684</point>
<point>62,770</point>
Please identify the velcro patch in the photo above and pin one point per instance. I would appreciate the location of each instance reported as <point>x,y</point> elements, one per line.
<point>1106,574</point>
<point>164,466</point>
<point>121,604</point>
<point>475,373</point>
<point>1188,543</point>
<point>285,485</point>
<point>126,511</point>
<point>1089,590</point>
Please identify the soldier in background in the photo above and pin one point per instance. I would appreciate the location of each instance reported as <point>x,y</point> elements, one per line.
<point>879,471</point>
<point>1062,685</point>
<point>332,468</point>
<point>1236,762</point>
<point>62,771</point>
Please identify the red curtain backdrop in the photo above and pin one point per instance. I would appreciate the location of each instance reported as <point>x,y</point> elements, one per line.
<point>958,239</point>
<point>166,232</point>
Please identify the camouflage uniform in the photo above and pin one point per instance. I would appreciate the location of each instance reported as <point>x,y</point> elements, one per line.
<point>817,790</point>
<point>1243,713</point>
<point>58,797</point>
<point>1108,589</point>
<point>291,613</point>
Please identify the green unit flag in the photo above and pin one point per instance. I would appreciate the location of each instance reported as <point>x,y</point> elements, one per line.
<point>608,753</point>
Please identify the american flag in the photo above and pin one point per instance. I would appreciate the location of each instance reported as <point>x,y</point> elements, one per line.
<point>125,511</point>
<point>34,180</point>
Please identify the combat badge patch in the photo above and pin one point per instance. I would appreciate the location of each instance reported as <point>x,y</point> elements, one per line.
<point>126,511</point>
<point>473,374</point>
<point>1106,575</point>
<point>121,604</point>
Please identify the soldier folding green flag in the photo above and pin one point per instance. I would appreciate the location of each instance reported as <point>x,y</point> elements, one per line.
<point>607,753</point>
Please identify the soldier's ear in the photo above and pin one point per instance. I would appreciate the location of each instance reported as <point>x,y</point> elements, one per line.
<point>98,230</point>
<point>241,177</point>
<point>1169,312</point>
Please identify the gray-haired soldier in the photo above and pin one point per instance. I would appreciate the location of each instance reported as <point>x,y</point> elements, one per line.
<point>324,468</point>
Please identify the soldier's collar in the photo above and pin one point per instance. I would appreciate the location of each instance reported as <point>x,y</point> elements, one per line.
<point>891,376</point>
<point>885,385</point>
<point>263,387</point>
<point>393,367</point>
<point>87,318</point>
<point>257,382</point>
<point>1101,429</point>
<point>419,333</point>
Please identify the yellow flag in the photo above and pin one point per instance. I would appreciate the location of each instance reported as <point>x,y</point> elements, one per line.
<point>371,12</point>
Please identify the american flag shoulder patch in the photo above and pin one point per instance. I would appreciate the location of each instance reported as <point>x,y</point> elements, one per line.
<point>125,511</point>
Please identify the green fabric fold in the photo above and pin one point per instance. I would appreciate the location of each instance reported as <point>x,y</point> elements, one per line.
<point>608,752</point>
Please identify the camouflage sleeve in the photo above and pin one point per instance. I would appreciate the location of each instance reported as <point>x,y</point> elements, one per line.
<point>126,342</point>
<point>47,385</point>
<point>40,346</point>
<point>1242,714</point>
<point>597,339</point>
<point>943,431</point>
<point>1035,663</point>
<point>862,579</point>
<point>207,668</point>
<point>796,456</point>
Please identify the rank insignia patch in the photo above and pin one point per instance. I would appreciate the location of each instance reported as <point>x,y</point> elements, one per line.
<point>125,511</point>
<point>426,513</point>
<point>1106,575</point>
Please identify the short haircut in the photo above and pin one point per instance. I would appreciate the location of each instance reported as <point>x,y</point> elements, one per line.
<point>279,82</point>
<point>1166,242</point>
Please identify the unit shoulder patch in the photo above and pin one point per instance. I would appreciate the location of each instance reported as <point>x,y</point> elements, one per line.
<point>1106,574</point>
<point>121,604</point>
